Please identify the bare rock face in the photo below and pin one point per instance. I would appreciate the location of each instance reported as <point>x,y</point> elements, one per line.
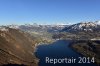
<point>16,47</point>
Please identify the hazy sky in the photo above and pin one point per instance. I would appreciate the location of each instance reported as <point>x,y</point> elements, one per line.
<point>48,11</point>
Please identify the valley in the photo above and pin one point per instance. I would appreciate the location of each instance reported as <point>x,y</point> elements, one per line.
<point>18,42</point>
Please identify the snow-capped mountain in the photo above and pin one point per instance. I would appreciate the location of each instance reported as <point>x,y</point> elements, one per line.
<point>97,22</point>
<point>42,28</point>
<point>3,28</point>
<point>84,26</point>
<point>13,26</point>
<point>34,27</point>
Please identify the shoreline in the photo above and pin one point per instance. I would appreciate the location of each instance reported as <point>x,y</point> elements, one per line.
<point>70,46</point>
<point>81,52</point>
<point>36,47</point>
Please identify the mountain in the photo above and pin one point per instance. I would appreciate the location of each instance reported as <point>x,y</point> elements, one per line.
<point>80,31</point>
<point>16,47</point>
<point>13,26</point>
<point>37,28</point>
<point>97,22</point>
<point>83,26</point>
<point>41,28</point>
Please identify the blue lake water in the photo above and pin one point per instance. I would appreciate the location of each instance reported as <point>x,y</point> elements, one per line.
<point>59,49</point>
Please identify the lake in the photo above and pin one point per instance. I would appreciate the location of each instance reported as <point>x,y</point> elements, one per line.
<point>58,50</point>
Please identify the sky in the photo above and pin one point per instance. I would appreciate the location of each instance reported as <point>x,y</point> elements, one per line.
<point>48,11</point>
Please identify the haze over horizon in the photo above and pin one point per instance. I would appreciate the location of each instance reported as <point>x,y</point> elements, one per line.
<point>48,11</point>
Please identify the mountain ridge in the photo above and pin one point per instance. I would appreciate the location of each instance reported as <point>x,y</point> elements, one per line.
<point>83,26</point>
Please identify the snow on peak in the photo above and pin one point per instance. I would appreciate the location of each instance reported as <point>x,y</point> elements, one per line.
<point>97,22</point>
<point>85,26</point>
<point>13,26</point>
<point>3,28</point>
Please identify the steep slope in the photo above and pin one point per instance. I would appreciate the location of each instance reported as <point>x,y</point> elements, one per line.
<point>16,47</point>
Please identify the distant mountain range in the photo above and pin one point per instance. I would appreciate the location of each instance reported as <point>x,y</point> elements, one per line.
<point>36,28</point>
<point>83,26</point>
